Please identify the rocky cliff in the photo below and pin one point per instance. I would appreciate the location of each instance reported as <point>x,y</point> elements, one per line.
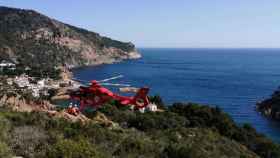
<point>35,40</point>
<point>271,107</point>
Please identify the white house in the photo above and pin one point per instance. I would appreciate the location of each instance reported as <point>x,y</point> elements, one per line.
<point>22,81</point>
<point>152,107</point>
<point>41,83</point>
<point>5,63</point>
<point>27,68</point>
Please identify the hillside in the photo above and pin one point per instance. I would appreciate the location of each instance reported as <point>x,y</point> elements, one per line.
<point>35,40</point>
<point>180,131</point>
<point>170,134</point>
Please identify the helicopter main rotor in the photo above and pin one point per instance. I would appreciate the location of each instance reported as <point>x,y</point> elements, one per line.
<point>104,82</point>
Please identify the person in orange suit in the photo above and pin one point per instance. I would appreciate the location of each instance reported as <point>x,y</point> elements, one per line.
<point>73,110</point>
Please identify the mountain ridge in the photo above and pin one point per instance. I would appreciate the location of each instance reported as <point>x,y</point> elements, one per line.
<point>33,39</point>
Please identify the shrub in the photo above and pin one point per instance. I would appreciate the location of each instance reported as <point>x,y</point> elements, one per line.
<point>4,128</point>
<point>5,151</point>
<point>177,151</point>
<point>137,147</point>
<point>29,141</point>
<point>206,117</point>
<point>73,149</point>
<point>157,121</point>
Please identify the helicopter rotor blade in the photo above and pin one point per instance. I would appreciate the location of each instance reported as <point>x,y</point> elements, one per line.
<point>84,82</point>
<point>101,82</point>
<point>108,79</point>
<point>115,84</point>
<point>112,78</point>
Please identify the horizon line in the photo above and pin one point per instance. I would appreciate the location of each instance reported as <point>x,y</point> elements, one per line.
<point>207,47</point>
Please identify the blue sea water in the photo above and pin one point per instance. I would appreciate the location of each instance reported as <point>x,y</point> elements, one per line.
<point>233,79</point>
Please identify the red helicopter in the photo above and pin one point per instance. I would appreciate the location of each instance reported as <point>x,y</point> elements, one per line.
<point>95,95</point>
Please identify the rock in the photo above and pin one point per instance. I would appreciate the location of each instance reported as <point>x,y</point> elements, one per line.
<point>100,118</point>
<point>270,107</point>
<point>18,103</point>
<point>63,114</point>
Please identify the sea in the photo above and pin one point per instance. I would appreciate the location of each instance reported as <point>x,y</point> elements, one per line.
<point>233,79</point>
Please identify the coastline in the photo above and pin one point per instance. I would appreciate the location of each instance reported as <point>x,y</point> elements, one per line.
<point>132,55</point>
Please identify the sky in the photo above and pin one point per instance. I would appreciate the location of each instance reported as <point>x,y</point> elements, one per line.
<point>170,23</point>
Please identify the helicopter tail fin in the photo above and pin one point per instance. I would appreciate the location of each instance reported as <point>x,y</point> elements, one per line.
<point>141,98</point>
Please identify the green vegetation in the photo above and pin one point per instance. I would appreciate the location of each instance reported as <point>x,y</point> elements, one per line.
<point>196,116</point>
<point>4,150</point>
<point>182,130</point>
<point>214,118</point>
<point>73,148</point>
